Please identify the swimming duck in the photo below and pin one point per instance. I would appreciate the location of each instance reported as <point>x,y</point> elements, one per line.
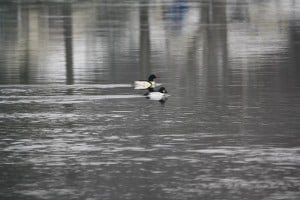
<point>161,95</point>
<point>143,84</point>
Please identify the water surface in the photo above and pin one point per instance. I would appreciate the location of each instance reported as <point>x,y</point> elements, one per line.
<point>73,127</point>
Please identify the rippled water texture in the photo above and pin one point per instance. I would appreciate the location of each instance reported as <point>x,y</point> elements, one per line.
<point>73,127</point>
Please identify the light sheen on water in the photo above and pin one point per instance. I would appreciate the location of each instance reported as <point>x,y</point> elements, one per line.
<point>73,127</point>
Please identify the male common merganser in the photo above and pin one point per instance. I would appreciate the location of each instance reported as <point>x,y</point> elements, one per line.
<point>158,96</point>
<point>150,84</point>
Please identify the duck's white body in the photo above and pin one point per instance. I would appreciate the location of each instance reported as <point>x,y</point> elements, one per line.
<point>142,85</point>
<point>157,96</point>
<point>145,84</point>
<point>161,95</point>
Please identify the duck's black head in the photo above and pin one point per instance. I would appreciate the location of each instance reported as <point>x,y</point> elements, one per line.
<point>162,90</point>
<point>152,77</point>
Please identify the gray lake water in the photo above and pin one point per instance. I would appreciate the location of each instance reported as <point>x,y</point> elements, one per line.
<point>73,127</point>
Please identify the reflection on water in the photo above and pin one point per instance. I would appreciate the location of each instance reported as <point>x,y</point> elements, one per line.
<point>72,127</point>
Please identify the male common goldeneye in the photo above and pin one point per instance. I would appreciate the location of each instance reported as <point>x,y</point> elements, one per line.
<point>150,84</point>
<point>161,95</point>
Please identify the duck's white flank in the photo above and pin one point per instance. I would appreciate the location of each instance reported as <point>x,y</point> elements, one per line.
<point>157,96</point>
<point>142,85</point>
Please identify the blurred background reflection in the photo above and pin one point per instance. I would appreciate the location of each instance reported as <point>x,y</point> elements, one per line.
<point>72,127</point>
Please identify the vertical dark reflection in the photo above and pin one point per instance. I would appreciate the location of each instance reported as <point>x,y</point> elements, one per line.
<point>23,22</point>
<point>145,48</point>
<point>294,46</point>
<point>67,12</point>
<point>215,46</point>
